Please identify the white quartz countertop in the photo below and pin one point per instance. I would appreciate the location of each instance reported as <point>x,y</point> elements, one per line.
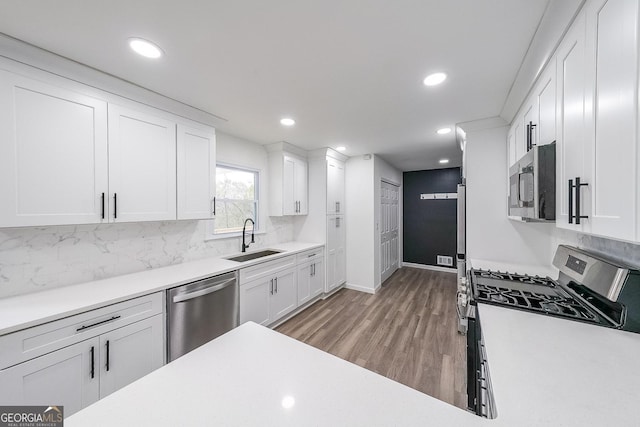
<point>545,372</point>
<point>532,270</point>
<point>548,371</point>
<point>28,310</point>
<point>247,377</point>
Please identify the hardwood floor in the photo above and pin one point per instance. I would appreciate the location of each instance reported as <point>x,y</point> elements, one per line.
<point>406,332</point>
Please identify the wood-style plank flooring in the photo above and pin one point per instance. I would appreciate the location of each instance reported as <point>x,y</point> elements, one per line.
<point>406,332</point>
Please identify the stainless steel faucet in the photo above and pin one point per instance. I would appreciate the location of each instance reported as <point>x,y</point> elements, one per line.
<point>244,228</point>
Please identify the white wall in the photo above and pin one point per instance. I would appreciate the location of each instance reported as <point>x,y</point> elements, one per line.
<point>359,219</point>
<point>384,171</point>
<point>490,234</point>
<point>39,258</point>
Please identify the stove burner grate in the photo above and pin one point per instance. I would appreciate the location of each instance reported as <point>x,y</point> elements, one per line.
<point>558,303</point>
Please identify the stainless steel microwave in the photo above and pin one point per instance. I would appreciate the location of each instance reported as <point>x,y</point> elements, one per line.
<point>532,185</point>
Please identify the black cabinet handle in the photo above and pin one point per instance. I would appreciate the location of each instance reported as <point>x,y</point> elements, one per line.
<point>276,281</point>
<point>570,201</point>
<point>107,355</point>
<point>102,209</point>
<point>528,138</point>
<point>115,205</point>
<point>93,362</point>
<point>271,287</point>
<point>82,328</point>
<point>214,206</point>
<point>578,186</point>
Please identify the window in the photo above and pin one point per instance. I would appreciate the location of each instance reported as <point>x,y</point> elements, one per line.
<point>236,198</point>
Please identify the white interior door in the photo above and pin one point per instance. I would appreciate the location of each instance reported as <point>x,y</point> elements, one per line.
<point>389,220</point>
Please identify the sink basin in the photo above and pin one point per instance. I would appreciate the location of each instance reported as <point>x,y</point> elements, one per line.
<point>253,255</point>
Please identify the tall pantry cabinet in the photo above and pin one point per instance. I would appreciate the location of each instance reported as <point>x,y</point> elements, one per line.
<point>325,221</point>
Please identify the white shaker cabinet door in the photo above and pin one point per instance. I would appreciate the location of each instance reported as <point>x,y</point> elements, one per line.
<point>316,284</point>
<point>335,186</point>
<point>254,301</point>
<point>301,186</point>
<point>341,254</point>
<point>68,377</point>
<point>130,352</point>
<point>142,166</point>
<point>196,173</point>
<point>545,130</point>
<point>289,200</point>
<point>305,272</point>
<point>53,154</point>
<point>332,253</point>
<point>612,151</point>
<point>572,116</point>
<point>284,298</point>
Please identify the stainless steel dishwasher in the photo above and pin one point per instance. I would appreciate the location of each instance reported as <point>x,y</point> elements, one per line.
<point>199,312</point>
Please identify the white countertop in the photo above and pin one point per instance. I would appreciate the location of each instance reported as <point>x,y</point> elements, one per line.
<point>28,310</point>
<point>545,372</point>
<point>532,270</point>
<point>242,379</point>
<point>548,371</point>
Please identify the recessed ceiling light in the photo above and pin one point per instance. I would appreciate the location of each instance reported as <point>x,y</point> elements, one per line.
<point>287,122</point>
<point>341,148</point>
<point>444,161</point>
<point>145,48</point>
<point>434,79</point>
<point>443,131</point>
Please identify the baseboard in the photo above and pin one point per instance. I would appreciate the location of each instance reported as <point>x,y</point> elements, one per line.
<point>430,267</point>
<point>360,288</point>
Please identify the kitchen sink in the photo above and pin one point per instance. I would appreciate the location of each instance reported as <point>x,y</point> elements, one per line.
<point>253,255</point>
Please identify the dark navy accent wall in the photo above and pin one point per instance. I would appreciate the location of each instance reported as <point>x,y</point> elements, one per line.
<point>429,226</point>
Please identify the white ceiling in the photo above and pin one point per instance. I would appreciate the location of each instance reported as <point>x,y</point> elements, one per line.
<point>349,72</point>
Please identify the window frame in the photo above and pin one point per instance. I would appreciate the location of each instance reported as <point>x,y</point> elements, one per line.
<point>211,229</point>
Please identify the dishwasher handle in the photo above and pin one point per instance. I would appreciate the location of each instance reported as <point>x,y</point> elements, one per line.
<point>205,291</point>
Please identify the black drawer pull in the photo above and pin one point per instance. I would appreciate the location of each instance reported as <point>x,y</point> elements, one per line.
<point>107,355</point>
<point>82,328</point>
<point>93,363</point>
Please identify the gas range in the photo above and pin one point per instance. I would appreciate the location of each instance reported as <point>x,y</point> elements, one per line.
<point>539,294</point>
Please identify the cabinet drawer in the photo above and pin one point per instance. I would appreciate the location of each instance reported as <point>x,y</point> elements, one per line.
<point>38,340</point>
<point>311,255</point>
<point>265,269</point>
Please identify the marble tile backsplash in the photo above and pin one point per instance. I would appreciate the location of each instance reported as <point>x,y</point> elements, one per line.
<point>38,258</point>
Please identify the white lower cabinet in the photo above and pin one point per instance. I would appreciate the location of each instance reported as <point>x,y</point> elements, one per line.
<point>67,377</point>
<point>336,254</point>
<point>255,301</point>
<point>283,297</point>
<point>130,353</point>
<point>266,299</point>
<point>271,290</point>
<point>310,280</point>
<point>77,375</point>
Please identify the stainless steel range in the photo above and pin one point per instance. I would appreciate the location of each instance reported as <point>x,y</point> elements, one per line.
<point>589,289</point>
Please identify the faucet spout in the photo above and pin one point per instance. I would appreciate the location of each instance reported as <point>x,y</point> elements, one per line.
<point>244,229</point>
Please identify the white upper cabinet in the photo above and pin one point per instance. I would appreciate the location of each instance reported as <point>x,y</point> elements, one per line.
<point>288,185</point>
<point>611,146</point>
<point>519,138</point>
<point>196,173</point>
<point>53,154</point>
<point>571,119</point>
<point>545,103</point>
<point>335,186</point>
<point>142,166</point>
